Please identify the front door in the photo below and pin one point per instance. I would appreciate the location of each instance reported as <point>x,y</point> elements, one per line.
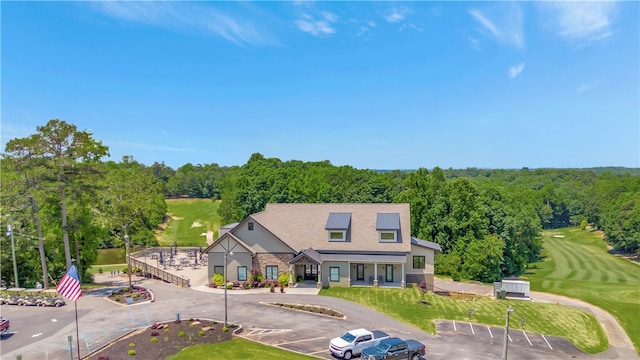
<point>311,272</point>
<point>389,273</point>
<point>359,272</point>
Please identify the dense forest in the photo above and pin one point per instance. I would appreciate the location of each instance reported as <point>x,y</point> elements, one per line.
<point>60,202</point>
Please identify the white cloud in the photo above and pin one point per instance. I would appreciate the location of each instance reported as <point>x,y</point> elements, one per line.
<point>316,27</point>
<point>515,70</point>
<point>508,30</point>
<point>475,43</point>
<point>582,22</point>
<point>182,15</point>
<point>329,16</point>
<point>397,14</point>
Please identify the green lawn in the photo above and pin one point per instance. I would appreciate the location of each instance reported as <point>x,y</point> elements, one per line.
<point>577,326</point>
<point>577,265</point>
<point>190,220</point>
<point>237,348</point>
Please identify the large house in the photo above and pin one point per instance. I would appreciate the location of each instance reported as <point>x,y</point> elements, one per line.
<point>331,244</point>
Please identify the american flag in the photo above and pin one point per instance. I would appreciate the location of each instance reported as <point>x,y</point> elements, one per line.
<point>69,285</point>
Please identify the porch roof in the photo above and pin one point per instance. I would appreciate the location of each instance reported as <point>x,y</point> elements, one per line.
<point>365,258</point>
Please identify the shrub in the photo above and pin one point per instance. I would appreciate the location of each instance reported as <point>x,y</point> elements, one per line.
<point>155,333</point>
<point>229,286</point>
<point>100,271</point>
<point>283,279</point>
<point>132,345</point>
<point>125,289</point>
<point>244,284</point>
<point>255,278</point>
<point>225,329</point>
<point>131,352</point>
<point>201,333</point>
<point>583,224</point>
<point>299,278</point>
<point>134,296</point>
<point>236,284</point>
<point>154,340</point>
<point>218,279</point>
<point>103,357</point>
<point>181,334</point>
<point>117,298</point>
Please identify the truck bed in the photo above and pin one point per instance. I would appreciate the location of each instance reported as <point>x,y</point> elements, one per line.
<point>377,334</point>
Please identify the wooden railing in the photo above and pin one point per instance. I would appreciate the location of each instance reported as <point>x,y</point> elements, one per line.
<point>156,272</point>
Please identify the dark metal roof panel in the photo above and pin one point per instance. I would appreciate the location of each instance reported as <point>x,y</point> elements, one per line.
<point>338,221</point>
<point>426,244</point>
<point>388,221</point>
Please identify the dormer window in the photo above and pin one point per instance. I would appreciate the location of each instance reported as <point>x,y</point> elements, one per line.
<point>335,235</point>
<point>387,236</point>
<point>337,226</point>
<point>388,226</point>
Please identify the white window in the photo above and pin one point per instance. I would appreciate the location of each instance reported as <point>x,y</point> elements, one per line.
<point>387,236</point>
<point>337,235</point>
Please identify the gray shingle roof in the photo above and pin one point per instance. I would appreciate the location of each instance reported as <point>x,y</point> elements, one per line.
<point>303,226</point>
<point>386,221</point>
<point>338,221</point>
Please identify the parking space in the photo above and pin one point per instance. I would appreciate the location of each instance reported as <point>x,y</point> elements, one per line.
<point>490,339</point>
<point>288,339</point>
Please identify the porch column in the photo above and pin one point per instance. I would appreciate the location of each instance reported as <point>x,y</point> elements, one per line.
<point>375,274</point>
<point>291,267</point>
<point>402,283</point>
<point>349,278</point>
<point>319,284</point>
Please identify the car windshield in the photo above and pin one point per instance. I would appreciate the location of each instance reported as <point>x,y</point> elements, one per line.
<point>348,337</point>
<point>381,347</point>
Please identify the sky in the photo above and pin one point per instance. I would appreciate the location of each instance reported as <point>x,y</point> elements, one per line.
<point>374,85</point>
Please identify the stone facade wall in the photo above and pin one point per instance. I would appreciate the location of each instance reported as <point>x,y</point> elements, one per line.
<point>281,260</point>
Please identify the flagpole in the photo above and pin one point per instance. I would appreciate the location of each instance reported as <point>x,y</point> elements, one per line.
<point>75,303</point>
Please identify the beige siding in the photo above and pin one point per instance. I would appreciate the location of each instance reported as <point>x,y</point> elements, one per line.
<point>259,239</point>
<point>429,256</point>
<point>344,273</point>
<point>240,257</point>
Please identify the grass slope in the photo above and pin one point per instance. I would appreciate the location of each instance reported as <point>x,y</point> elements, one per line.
<point>575,325</point>
<point>576,264</point>
<point>189,220</point>
<point>237,348</point>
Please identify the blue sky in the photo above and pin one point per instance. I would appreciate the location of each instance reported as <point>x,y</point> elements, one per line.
<point>378,85</point>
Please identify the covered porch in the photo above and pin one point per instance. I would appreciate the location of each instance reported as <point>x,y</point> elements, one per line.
<point>348,269</point>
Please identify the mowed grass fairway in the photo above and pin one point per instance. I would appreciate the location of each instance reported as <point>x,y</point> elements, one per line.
<point>577,265</point>
<point>577,326</point>
<point>189,221</point>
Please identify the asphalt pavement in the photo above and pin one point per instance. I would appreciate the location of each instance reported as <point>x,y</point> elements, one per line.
<point>43,333</point>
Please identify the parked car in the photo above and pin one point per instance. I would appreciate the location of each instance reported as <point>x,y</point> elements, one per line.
<point>352,342</point>
<point>4,325</point>
<point>394,349</point>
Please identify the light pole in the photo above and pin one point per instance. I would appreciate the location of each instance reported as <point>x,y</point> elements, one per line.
<point>226,253</point>
<point>506,334</point>
<point>126,242</point>
<point>13,251</point>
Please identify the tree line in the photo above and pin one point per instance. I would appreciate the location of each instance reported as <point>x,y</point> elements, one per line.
<point>63,202</point>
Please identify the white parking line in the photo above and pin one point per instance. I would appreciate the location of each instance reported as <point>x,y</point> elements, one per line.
<point>545,340</point>
<point>490,333</point>
<point>266,331</point>
<point>454,326</point>
<point>525,335</point>
<point>471,326</point>
<point>297,341</point>
<point>509,336</point>
<point>318,352</point>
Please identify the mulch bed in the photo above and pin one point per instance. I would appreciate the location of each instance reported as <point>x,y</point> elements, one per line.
<point>170,338</point>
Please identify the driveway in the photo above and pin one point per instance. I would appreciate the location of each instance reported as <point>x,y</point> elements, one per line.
<point>42,333</point>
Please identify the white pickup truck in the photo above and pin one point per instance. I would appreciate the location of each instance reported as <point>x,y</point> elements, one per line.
<point>354,341</point>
